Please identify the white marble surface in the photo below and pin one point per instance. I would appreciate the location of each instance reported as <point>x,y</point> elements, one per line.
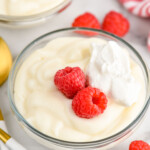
<point>17,39</point>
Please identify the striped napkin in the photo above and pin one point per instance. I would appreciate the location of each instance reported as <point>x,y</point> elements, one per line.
<point>140,8</point>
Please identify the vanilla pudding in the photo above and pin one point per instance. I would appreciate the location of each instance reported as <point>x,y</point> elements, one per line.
<point>27,7</point>
<point>50,112</point>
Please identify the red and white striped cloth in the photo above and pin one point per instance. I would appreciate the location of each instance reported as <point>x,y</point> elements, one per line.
<point>148,41</point>
<point>140,8</point>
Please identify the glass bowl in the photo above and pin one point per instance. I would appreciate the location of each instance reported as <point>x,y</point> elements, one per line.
<point>57,144</point>
<point>19,21</point>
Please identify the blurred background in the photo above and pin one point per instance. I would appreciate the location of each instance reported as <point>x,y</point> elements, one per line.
<point>18,38</point>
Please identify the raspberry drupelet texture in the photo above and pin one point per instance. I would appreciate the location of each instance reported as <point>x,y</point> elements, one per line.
<point>115,23</point>
<point>139,145</point>
<point>89,103</point>
<point>87,20</point>
<point>70,80</point>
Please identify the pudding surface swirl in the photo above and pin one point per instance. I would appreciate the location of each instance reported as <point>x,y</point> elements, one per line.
<point>49,111</point>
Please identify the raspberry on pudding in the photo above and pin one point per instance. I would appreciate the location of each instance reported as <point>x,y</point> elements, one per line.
<point>89,103</point>
<point>70,80</point>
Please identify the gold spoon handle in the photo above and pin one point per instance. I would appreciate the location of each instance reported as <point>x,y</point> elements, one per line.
<point>4,136</point>
<point>1,116</point>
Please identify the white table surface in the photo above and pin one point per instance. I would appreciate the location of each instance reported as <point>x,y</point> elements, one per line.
<point>17,39</point>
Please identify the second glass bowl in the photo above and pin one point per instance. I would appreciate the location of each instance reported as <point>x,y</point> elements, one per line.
<point>23,21</point>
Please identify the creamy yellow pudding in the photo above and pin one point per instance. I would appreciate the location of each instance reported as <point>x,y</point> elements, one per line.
<point>27,7</point>
<point>48,110</point>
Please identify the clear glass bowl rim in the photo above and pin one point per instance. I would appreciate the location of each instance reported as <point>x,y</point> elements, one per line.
<point>16,20</point>
<point>67,143</point>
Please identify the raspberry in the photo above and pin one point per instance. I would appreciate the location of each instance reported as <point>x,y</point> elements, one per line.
<point>86,20</point>
<point>89,102</point>
<point>70,80</point>
<point>139,145</point>
<point>115,23</point>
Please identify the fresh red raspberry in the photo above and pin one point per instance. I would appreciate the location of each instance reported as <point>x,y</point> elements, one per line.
<point>86,20</point>
<point>89,102</point>
<point>70,80</point>
<point>115,23</point>
<point>139,145</point>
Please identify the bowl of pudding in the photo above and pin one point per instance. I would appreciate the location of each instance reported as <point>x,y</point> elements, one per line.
<point>29,12</point>
<point>108,63</point>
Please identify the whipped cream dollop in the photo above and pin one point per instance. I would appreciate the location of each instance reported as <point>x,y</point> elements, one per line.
<point>109,70</point>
